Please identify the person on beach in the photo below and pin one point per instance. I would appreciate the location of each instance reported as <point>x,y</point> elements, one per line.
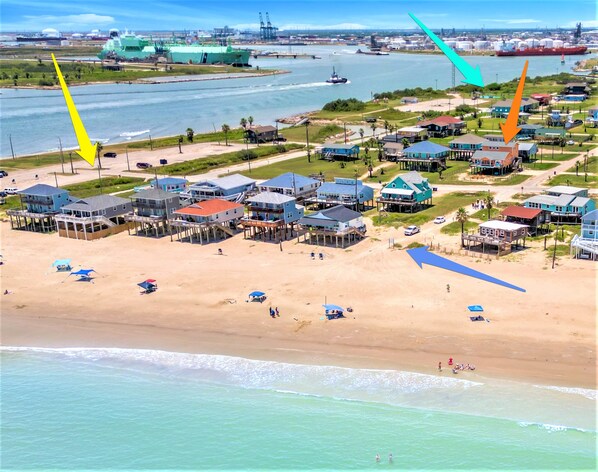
<point>448,288</point>
<point>450,362</point>
<point>440,367</point>
<point>378,458</point>
<point>219,252</point>
<point>390,458</point>
<point>276,311</point>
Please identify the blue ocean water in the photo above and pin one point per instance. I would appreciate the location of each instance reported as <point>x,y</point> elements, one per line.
<point>131,409</point>
<point>120,112</point>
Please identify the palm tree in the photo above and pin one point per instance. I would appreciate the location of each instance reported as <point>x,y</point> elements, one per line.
<point>562,143</point>
<point>225,130</point>
<point>361,133</point>
<point>180,142</point>
<point>250,121</point>
<point>577,163</point>
<point>190,134</point>
<point>488,201</point>
<point>462,218</point>
<point>373,129</point>
<point>386,125</point>
<point>243,123</point>
<point>99,148</point>
<point>405,142</point>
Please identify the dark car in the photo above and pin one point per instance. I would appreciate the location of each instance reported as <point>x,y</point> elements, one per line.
<point>3,173</point>
<point>109,154</point>
<point>143,165</point>
<point>371,119</point>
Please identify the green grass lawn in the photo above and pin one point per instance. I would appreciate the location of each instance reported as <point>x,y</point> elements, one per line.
<point>455,227</point>
<point>592,166</point>
<point>483,214</point>
<point>536,165</point>
<point>317,133</point>
<point>441,206</point>
<point>575,181</point>
<point>108,185</point>
<point>204,164</point>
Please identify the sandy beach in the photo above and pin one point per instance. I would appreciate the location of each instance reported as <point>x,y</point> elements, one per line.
<point>403,317</point>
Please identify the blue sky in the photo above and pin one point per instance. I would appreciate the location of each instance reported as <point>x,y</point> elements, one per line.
<point>84,15</point>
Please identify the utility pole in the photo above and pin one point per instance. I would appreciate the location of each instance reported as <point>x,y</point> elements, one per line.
<point>307,141</point>
<point>345,129</point>
<point>127,154</point>
<point>61,154</point>
<point>71,159</point>
<point>56,179</point>
<point>12,151</point>
<point>556,233</point>
<point>100,179</point>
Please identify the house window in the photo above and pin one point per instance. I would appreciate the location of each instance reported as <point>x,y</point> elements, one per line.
<point>114,208</point>
<point>124,206</point>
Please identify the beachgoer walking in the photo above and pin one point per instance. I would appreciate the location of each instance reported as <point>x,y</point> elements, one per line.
<point>440,367</point>
<point>450,362</point>
<point>448,288</point>
<point>276,311</point>
<point>219,252</point>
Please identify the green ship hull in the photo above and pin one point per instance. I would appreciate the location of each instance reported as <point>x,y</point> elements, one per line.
<point>130,47</point>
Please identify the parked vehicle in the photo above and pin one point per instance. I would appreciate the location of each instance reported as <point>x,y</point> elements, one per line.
<point>439,220</point>
<point>3,194</point>
<point>3,173</point>
<point>411,230</point>
<point>109,154</point>
<point>11,190</point>
<point>570,142</point>
<point>143,165</point>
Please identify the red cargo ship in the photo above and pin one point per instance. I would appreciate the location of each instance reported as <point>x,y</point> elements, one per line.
<point>541,51</point>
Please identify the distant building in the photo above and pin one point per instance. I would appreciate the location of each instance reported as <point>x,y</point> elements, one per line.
<point>271,216</point>
<point>339,151</point>
<point>392,151</point>
<point>94,217</point>
<point>231,187</point>
<point>549,135</point>
<point>408,191</point>
<point>532,217</point>
<point>39,204</point>
<point>262,134</point>
<point>528,131</point>
<point>527,151</point>
<point>338,223</point>
<point>409,100</point>
<point>170,184</point>
<point>496,235</point>
<point>443,126</point>
<point>424,155</point>
<point>496,157</point>
<point>463,147</point>
<point>585,244</point>
<point>592,118</point>
<point>502,107</point>
<point>343,191</point>
<point>543,98</point>
<point>576,88</point>
<point>291,184</point>
<point>412,133</point>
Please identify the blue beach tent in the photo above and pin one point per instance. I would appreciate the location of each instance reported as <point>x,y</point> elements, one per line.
<point>148,286</point>
<point>475,308</point>
<point>62,265</point>
<point>334,311</point>
<point>257,296</point>
<point>83,274</point>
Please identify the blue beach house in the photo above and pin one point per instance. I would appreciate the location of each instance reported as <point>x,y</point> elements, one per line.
<point>563,203</point>
<point>343,191</point>
<point>38,205</point>
<point>339,151</point>
<point>407,191</point>
<point>170,184</point>
<point>231,187</point>
<point>463,147</point>
<point>424,155</point>
<point>291,184</point>
<point>585,244</point>
<point>271,215</point>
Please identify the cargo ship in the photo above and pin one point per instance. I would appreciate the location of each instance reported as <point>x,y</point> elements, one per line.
<point>542,51</point>
<point>133,48</point>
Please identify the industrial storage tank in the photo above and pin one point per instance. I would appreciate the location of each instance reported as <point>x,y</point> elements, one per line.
<point>465,45</point>
<point>546,42</point>
<point>557,43</point>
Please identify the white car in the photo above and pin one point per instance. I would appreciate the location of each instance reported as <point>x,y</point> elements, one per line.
<point>570,142</point>
<point>439,219</point>
<point>411,230</point>
<point>11,190</point>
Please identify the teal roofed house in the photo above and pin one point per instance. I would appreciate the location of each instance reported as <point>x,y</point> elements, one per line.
<point>424,155</point>
<point>39,204</point>
<point>562,204</point>
<point>407,191</point>
<point>338,151</point>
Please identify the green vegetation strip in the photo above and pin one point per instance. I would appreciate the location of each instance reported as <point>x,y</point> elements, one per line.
<point>107,185</point>
<point>455,227</point>
<point>576,181</point>
<point>441,206</point>
<point>204,164</point>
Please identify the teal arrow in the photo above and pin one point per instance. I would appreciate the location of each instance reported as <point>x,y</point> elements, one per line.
<point>472,75</point>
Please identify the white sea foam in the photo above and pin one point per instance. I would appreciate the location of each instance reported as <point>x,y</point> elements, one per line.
<point>584,392</point>
<point>551,428</point>
<point>131,134</point>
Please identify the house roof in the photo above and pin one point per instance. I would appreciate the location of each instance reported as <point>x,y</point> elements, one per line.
<point>338,213</point>
<point>502,225</point>
<point>590,216</point>
<point>499,143</point>
<point>468,139</point>
<point>169,181</point>
<point>262,129</point>
<point>392,145</point>
<point>495,155</point>
<point>226,183</point>
<point>527,146</point>
<point>579,202</point>
<point>98,202</point>
<point>339,146</point>
<point>509,102</point>
<point>565,189</point>
<point>270,197</point>
<point>531,126</point>
<point>42,190</point>
<point>413,177</point>
<point>443,120</point>
<point>427,147</point>
<point>289,180</point>
<point>341,189</point>
<point>411,129</point>
<point>410,179</point>
<point>521,212</point>
<point>208,207</point>
<point>154,194</point>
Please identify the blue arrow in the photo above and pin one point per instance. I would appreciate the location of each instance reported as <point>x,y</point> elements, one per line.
<point>421,256</point>
<point>472,75</point>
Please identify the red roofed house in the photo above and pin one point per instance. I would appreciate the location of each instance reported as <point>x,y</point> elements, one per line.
<point>443,126</point>
<point>533,217</point>
<point>543,98</point>
<point>207,218</point>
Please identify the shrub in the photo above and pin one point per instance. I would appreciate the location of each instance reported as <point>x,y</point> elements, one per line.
<point>349,104</point>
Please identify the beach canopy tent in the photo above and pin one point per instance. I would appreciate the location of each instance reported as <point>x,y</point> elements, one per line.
<point>334,311</point>
<point>257,296</point>
<point>83,274</point>
<point>62,265</point>
<point>148,286</point>
<point>475,308</point>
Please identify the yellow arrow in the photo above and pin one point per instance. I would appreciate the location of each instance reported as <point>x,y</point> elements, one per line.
<point>88,150</point>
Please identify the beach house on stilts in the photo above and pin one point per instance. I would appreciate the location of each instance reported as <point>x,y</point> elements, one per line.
<point>152,209</point>
<point>271,216</point>
<point>39,204</point>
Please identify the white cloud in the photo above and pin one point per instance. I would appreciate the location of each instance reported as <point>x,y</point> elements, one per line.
<point>78,22</point>
<point>82,19</point>
<point>338,26</point>
<point>517,21</point>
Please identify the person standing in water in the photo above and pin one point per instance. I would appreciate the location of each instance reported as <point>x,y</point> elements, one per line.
<point>440,367</point>
<point>378,458</point>
<point>390,458</point>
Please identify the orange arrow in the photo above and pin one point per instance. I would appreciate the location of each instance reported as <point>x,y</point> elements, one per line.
<point>510,128</point>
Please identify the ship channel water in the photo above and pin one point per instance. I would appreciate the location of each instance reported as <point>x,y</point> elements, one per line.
<point>113,113</point>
